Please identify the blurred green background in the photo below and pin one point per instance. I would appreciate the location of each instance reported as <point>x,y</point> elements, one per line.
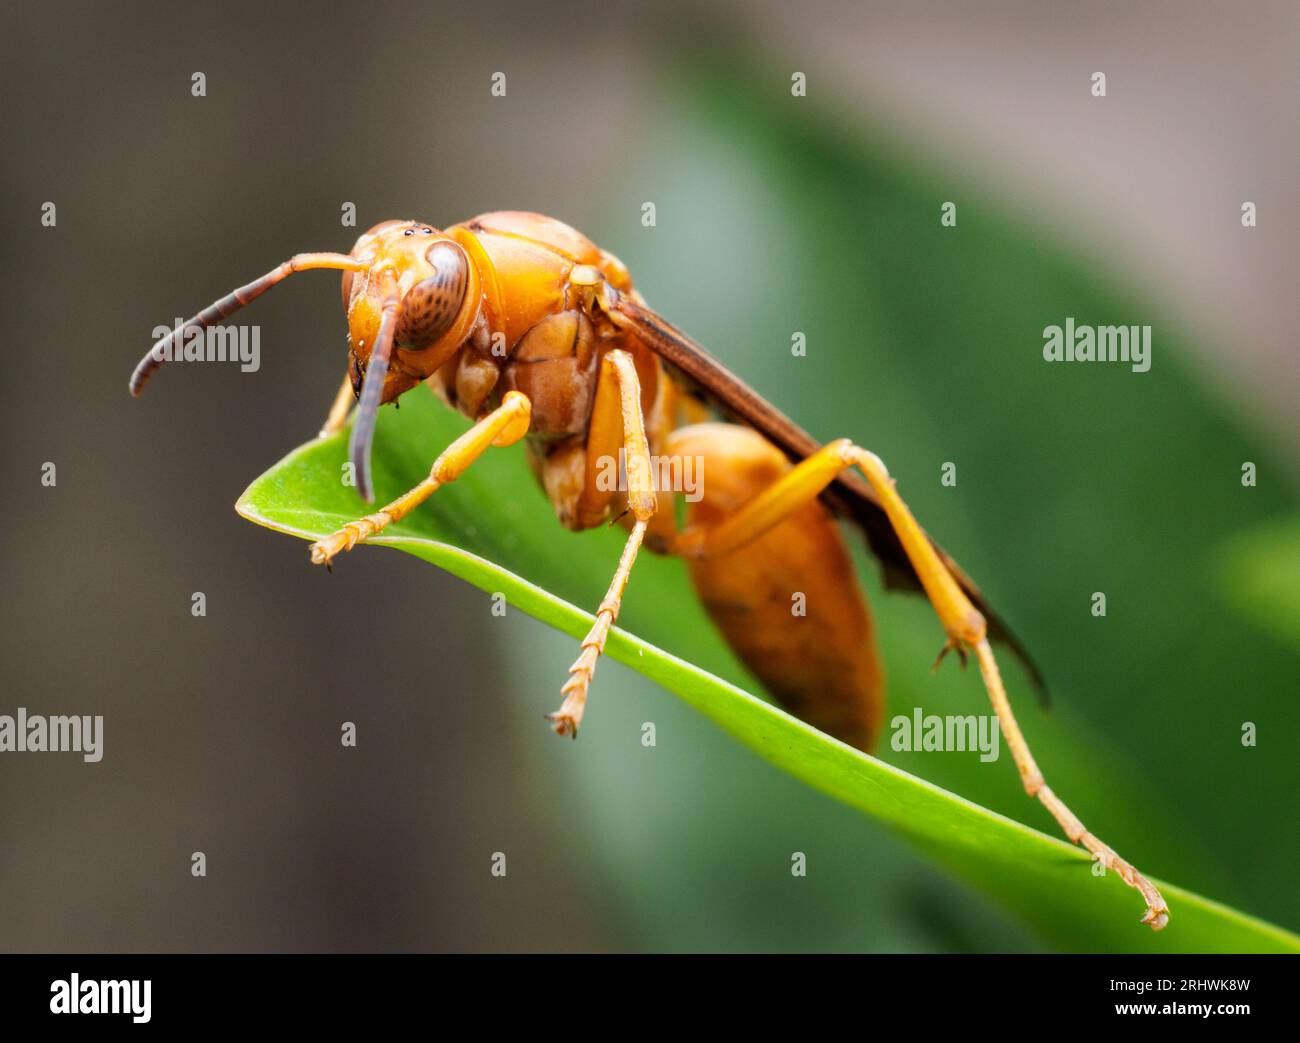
<point>774,214</point>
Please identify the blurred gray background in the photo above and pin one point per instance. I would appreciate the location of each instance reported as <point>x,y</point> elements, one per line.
<point>222,733</point>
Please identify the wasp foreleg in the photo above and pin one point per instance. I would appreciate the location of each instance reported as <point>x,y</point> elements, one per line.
<point>504,426</point>
<point>338,415</point>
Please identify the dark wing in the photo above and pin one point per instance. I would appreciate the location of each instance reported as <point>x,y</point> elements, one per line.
<point>850,496</point>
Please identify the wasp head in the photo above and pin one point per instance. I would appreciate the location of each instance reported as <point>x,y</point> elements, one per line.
<point>408,312</point>
<point>411,296</point>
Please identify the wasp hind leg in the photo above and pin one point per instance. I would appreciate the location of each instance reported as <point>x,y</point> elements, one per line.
<point>963,623</point>
<point>504,426</point>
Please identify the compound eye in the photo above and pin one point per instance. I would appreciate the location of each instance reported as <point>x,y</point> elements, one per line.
<point>432,305</point>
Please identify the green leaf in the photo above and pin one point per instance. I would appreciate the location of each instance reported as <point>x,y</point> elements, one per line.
<point>494,529</point>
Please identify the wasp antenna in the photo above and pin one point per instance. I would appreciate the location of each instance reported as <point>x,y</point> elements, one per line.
<point>232,302</point>
<point>363,430</point>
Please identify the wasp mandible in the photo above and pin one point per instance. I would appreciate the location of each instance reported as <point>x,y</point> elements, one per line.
<point>537,335</point>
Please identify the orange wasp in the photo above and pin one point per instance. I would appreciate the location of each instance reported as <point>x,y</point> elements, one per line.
<point>536,334</point>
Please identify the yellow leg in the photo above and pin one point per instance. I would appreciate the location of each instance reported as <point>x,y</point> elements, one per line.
<point>963,623</point>
<point>340,409</point>
<point>505,425</point>
<point>616,423</point>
